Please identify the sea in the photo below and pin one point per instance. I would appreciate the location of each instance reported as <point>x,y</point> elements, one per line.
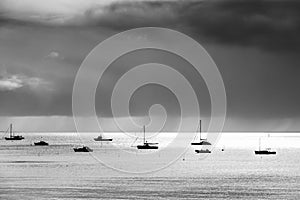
<point>57,172</point>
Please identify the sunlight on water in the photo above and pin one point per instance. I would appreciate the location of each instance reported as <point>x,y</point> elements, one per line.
<point>56,171</point>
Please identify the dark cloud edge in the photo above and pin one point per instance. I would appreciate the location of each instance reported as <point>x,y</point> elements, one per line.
<point>266,24</point>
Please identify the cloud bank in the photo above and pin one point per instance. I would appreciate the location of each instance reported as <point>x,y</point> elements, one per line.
<point>271,25</point>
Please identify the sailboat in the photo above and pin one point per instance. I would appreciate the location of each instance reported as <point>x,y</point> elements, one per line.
<point>12,136</point>
<point>266,151</point>
<point>202,141</point>
<point>146,144</point>
<point>100,138</point>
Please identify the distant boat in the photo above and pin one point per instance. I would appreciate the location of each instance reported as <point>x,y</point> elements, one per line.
<point>83,149</point>
<point>202,141</point>
<point>147,145</point>
<point>12,136</point>
<point>266,151</point>
<point>202,151</point>
<point>41,143</point>
<point>101,139</point>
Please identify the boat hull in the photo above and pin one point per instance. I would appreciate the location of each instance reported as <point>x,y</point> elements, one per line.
<point>265,152</point>
<point>14,138</point>
<point>41,144</point>
<point>201,143</point>
<point>202,151</point>
<point>83,149</point>
<point>147,147</point>
<point>196,143</point>
<point>103,140</point>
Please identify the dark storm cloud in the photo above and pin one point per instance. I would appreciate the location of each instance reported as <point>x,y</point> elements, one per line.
<point>272,25</point>
<point>126,15</point>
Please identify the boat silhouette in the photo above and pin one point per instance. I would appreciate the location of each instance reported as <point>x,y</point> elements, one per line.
<point>41,143</point>
<point>147,145</point>
<point>202,141</point>
<point>266,151</point>
<point>12,136</point>
<point>83,149</point>
<point>101,139</point>
<point>202,151</point>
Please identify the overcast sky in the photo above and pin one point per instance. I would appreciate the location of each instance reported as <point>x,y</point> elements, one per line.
<point>255,44</point>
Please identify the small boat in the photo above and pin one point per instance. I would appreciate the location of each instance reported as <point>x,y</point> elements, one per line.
<point>202,151</point>
<point>266,151</point>
<point>12,136</point>
<point>101,139</point>
<point>147,145</point>
<point>83,149</point>
<point>41,143</point>
<point>202,141</point>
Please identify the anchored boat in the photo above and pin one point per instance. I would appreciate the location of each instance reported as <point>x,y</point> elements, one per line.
<point>147,145</point>
<point>83,149</point>
<point>203,151</point>
<point>100,138</point>
<point>12,136</point>
<point>41,143</point>
<point>202,141</point>
<point>266,151</point>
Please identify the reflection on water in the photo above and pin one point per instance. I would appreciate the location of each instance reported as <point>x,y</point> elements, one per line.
<point>56,172</point>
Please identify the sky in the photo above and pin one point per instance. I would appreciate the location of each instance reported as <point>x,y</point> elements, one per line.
<point>255,44</point>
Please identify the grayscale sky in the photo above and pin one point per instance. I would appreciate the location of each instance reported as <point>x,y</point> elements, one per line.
<point>255,44</point>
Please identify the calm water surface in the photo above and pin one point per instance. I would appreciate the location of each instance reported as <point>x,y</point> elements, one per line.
<point>56,172</point>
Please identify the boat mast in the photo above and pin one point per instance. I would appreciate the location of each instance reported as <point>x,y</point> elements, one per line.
<point>10,130</point>
<point>144,133</point>
<point>200,129</point>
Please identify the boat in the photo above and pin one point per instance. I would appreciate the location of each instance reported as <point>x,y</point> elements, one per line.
<point>266,151</point>
<point>202,141</point>
<point>203,151</point>
<point>101,139</point>
<point>147,145</point>
<point>83,149</point>
<point>12,136</point>
<point>41,143</point>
